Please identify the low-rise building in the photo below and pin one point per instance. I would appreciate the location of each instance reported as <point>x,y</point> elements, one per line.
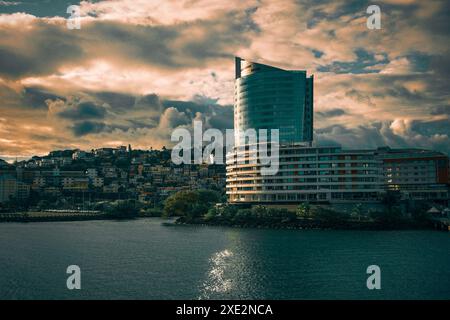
<point>98,182</point>
<point>418,174</point>
<point>111,188</point>
<point>75,183</point>
<point>11,188</point>
<point>332,175</point>
<point>313,174</point>
<point>92,173</point>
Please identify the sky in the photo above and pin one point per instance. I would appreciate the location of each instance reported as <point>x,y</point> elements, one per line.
<point>136,70</point>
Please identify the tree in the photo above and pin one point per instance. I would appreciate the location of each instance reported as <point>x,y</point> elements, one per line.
<point>228,211</point>
<point>281,214</point>
<point>304,210</point>
<point>357,211</point>
<point>391,200</point>
<point>391,216</point>
<point>260,212</point>
<point>190,204</point>
<point>125,209</point>
<point>180,203</point>
<point>419,212</point>
<point>243,215</point>
<point>331,216</point>
<point>387,218</point>
<point>208,196</point>
<point>212,213</point>
<point>199,209</point>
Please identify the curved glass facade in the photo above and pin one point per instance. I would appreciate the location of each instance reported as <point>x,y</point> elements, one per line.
<point>271,98</point>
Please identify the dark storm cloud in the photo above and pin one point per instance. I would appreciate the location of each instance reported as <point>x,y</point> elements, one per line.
<point>118,101</point>
<point>142,123</point>
<point>429,128</point>
<point>420,62</point>
<point>84,111</point>
<point>403,93</point>
<point>216,116</point>
<point>353,138</point>
<point>224,120</point>
<point>395,86</point>
<point>43,48</point>
<point>122,103</point>
<point>36,97</point>
<point>26,97</point>
<point>14,64</point>
<point>141,43</point>
<point>359,96</point>
<point>39,51</point>
<point>440,23</point>
<point>343,8</point>
<point>317,53</point>
<point>150,101</point>
<point>87,127</point>
<point>126,112</point>
<point>336,112</point>
<point>336,129</point>
<point>185,106</point>
<point>440,64</point>
<point>440,110</point>
<point>364,59</point>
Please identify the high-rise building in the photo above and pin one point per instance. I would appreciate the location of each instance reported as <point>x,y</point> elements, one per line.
<point>271,98</point>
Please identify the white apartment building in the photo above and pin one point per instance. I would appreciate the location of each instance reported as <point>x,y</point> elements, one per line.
<point>313,174</point>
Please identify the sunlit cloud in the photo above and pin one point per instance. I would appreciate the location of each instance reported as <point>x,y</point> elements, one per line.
<point>138,69</point>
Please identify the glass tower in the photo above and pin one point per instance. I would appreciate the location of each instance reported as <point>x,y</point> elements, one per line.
<point>271,98</point>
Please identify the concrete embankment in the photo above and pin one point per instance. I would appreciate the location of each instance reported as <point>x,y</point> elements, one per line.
<point>38,216</point>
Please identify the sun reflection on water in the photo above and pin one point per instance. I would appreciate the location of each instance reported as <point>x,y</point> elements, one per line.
<point>217,281</point>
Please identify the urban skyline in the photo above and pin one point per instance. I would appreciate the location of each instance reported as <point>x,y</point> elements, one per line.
<point>270,98</point>
<point>387,88</point>
<point>225,157</point>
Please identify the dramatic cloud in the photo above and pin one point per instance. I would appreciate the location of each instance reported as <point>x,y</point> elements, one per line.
<point>138,69</point>
<point>83,111</point>
<point>331,113</point>
<point>87,127</point>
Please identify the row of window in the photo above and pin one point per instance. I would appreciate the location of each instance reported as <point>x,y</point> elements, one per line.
<point>309,172</point>
<point>307,180</point>
<point>305,187</point>
<point>410,168</point>
<point>307,196</point>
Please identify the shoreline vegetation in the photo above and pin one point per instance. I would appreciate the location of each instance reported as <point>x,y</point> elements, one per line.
<point>199,207</point>
<point>117,210</point>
